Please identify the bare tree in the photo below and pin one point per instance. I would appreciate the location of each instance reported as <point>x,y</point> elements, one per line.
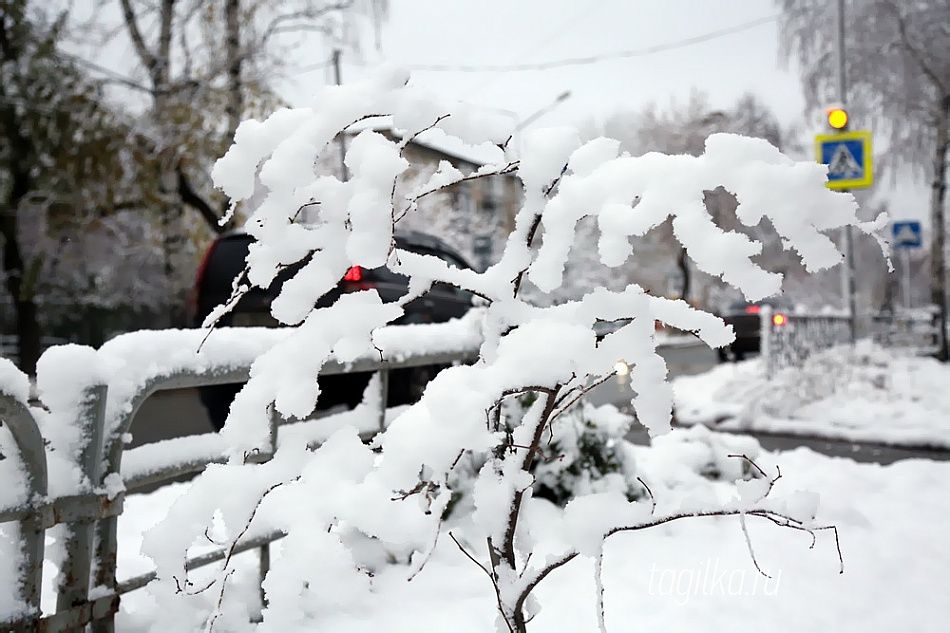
<point>898,69</point>
<point>200,85</point>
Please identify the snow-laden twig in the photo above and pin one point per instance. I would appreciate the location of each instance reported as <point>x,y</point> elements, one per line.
<point>545,348</point>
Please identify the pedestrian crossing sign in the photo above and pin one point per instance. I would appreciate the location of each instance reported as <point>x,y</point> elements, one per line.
<point>848,156</point>
<point>906,234</point>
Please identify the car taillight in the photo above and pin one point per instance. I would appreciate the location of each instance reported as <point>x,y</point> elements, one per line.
<point>354,274</point>
<point>779,319</point>
<point>192,301</point>
<point>752,309</point>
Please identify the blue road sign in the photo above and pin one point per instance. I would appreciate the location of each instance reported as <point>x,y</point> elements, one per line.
<point>906,234</point>
<point>848,156</point>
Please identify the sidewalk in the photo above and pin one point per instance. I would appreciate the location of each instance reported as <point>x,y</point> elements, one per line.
<point>870,396</point>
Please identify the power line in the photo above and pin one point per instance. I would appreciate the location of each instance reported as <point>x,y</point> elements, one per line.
<point>585,13</point>
<point>593,59</point>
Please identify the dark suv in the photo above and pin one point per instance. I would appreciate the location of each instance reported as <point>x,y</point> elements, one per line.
<point>225,260</point>
<point>746,320</point>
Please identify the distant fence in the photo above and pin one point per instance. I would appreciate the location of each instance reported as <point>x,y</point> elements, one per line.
<point>91,512</point>
<point>791,339</point>
<point>9,346</point>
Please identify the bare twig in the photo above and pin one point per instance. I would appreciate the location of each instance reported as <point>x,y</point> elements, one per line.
<point>535,224</point>
<point>599,582</point>
<point>428,554</point>
<point>772,480</point>
<point>649,492</point>
<point>494,582</point>
<point>582,392</point>
<point>234,544</point>
<point>471,558</point>
<point>748,542</point>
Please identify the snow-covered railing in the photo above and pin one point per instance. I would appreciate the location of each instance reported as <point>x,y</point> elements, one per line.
<point>788,339</point>
<point>66,465</point>
<point>909,329</point>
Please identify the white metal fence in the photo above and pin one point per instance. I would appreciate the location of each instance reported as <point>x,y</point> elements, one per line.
<point>789,342</point>
<point>91,513</point>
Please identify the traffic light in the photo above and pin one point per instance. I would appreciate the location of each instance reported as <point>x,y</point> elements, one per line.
<point>837,117</point>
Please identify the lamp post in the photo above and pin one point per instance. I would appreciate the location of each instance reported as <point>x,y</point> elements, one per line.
<point>840,121</point>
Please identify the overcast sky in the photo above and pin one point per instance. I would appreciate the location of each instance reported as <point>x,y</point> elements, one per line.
<point>506,32</point>
<point>738,53</point>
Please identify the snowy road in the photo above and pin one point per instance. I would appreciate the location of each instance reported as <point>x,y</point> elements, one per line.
<point>682,359</point>
<point>858,451</point>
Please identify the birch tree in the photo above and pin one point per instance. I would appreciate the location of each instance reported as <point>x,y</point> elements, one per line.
<point>897,65</point>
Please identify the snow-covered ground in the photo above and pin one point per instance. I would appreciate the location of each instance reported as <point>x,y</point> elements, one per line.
<point>692,575</point>
<point>869,394</point>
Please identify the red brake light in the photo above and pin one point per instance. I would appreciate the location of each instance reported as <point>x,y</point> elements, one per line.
<point>779,319</point>
<point>353,274</point>
<point>752,309</point>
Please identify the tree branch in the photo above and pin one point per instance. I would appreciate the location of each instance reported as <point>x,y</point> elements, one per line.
<point>192,199</point>
<point>914,53</point>
<point>131,22</point>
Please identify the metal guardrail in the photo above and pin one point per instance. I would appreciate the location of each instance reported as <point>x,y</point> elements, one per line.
<point>91,551</point>
<point>797,336</point>
<point>915,329</point>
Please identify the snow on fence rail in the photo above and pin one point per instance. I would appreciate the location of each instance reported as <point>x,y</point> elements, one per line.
<point>65,465</point>
<point>797,336</point>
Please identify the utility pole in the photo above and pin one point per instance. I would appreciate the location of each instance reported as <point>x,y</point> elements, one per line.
<point>848,281</point>
<point>344,172</point>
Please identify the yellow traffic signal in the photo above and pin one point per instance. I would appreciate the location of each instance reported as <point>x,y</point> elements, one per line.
<point>837,117</point>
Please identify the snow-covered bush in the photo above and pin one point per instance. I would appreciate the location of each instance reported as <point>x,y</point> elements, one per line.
<point>398,489</point>
<point>584,452</point>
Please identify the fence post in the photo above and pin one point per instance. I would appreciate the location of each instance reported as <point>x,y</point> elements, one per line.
<point>765,341</point>
<point>263,551</point>
<point>264,567</point>
<point>274,419</point>
<point>383,396</point>
<point>30,444</point>
<point>107,530</point>
<point>76,572</point>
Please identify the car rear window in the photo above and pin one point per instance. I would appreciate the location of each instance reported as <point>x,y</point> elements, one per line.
<point>227,261</point>
<point>773,302</point>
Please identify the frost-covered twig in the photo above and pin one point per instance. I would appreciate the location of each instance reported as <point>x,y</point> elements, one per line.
<point>581,392</point>
<point>234,544</point>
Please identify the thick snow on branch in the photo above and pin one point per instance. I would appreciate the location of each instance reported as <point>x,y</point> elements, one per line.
<point>397,491</point>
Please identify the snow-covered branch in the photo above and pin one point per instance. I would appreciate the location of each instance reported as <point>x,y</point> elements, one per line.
<point>399,491</point>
